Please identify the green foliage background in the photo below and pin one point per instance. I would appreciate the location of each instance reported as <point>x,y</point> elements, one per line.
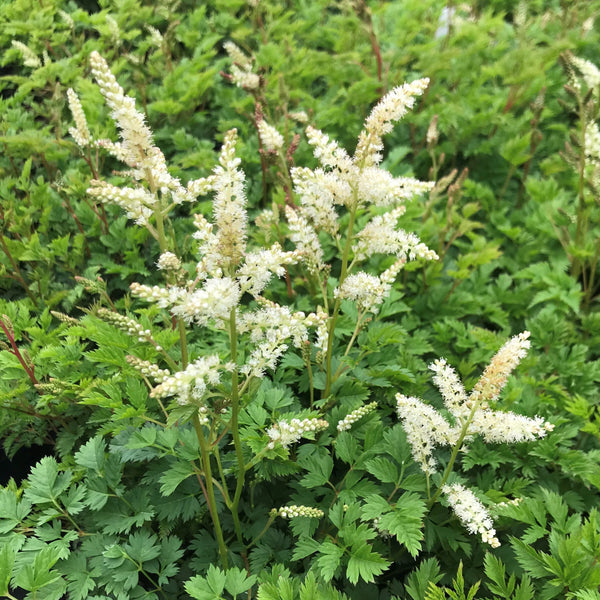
<point>116,512</point>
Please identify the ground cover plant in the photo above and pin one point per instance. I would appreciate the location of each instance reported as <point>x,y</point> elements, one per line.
<point>301,301</point>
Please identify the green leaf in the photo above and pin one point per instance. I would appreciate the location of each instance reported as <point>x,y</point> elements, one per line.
<point>46,484</point>
<point>365,564</point>
<point>209,587</point>
<point>329,559</point>
<point>305,546</point>
<point>382,468</point>
<point>178,471</point>
<point>91,454</point>
<point>237,581</point>
<point>7,561</point>
<point>418,581</point>
<point>12,511</point>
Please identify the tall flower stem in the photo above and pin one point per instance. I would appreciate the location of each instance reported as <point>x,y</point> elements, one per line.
<point>338,302</point>
<point>461,438</point>
<point>210,491</point>
<point>235,432</point>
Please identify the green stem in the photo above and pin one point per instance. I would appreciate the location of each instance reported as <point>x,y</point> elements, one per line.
<point>210,491</point>
<point>265,529</point>
<point>463,434</point>
<point>183,343</point>
<point>338,302</point>
<point>235,431</point>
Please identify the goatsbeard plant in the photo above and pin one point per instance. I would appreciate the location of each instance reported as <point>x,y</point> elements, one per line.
<point>348,202</point>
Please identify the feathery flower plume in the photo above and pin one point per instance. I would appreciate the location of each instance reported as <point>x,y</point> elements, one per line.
<point>380,236</point>
<point>589,71</point>
<point>471,512</point>
<point>270,328</point>
<point>229,208</point>
<point>369,291</point>
<point>501,366</point>
<point>425,429</point>
<point>303,234</point>
<point>471,413</point>
<point>255,273</point>
<point>392,107</point>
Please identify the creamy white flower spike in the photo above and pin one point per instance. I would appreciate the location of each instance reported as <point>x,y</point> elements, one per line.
<point>589,71</point>
<point>380,236</point>
<point>229,207</point>
<point>425,429</point>
<point>258,267</point>
<point>303,234</point>
<point>392,107</point>
<point>471,413</point>
<point>191,383</point>
<point>369,291</point>
<point>80,133</point>
<point>472,513</point>
<point>496,374</point>
<point>30,58</point>
<point>271,138</point>
<point>270,328</point>
<point>286,433</point>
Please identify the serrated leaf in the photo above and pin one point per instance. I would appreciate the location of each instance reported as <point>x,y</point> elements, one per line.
<point>384,469</point>
<point>305,546</point>
<point>91,454</point>
<point>237,581</point>
<point>329,559</point>
<point>46,484</point>
<point>12,510</point>
<point>177,473</point>
<point>365,564</point>
<point>209,587</point>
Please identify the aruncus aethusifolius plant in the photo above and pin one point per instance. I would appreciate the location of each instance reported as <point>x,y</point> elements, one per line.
<point>349,202</point>
<point>212,389</point>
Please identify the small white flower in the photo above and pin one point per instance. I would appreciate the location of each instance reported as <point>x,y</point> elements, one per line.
<point>271,138</point>
<point>471,513</point>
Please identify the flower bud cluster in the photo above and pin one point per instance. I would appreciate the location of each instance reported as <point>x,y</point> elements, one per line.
<point>167,261</point>
<point>347,422</point>
<point>148,369</point>
<point>471,512</point>
<point>192,383</point>
<point>287,433</point>
<point>289,512</point>
<point>30,58</point>
<point>126,324</point>
<point>80,133</point>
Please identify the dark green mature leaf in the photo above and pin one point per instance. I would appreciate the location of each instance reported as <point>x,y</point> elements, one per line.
<point>365,564</point>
